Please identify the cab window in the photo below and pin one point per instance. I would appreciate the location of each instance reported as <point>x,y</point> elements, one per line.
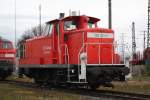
<point>7,45</point>
<point>48,29</point>
<point>22,50</point>
<point>57,28</point>
<point>70,25</point>
<point>91,24</point>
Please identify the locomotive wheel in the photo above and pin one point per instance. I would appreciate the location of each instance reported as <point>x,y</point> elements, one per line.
<point>94,86</point>
<point>38,82</point>
<point>122,78</point>
<point>92,81</point>
<point>4,75</point>
<point>2,78</point>
<point>55,79</point>
<point>41,78</point>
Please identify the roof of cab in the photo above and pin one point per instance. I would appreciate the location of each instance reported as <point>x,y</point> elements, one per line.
<point>76,17</point>
<point>4,40</point>
<point>53,21</point>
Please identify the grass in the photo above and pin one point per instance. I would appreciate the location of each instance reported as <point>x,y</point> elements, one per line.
<point>23,79</point>
<point>141,78</point>
<point>140,84</point>
<point>13,92</point>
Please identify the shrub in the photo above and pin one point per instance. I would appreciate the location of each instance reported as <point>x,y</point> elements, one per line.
<point>147,69</point>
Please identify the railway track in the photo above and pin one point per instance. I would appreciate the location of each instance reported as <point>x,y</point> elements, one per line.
<point>104,94</point>
<point>112,95</point>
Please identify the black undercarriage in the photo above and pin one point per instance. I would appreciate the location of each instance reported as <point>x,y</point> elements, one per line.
<point>6,69</point>
<point>58,74</point>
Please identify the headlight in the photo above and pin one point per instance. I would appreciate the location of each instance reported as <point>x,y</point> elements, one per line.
<point>9,55</point>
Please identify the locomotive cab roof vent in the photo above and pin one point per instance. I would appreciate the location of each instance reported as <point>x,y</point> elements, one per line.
<point>61,15</point>
<point>74,13</point>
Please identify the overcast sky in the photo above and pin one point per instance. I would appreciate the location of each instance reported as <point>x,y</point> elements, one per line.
<point>123,13</point>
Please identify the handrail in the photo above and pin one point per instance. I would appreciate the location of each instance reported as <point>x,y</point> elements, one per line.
<point>66,53</point>
<point>67,60</point>
<point>99,52</point>
<point>79,59</point>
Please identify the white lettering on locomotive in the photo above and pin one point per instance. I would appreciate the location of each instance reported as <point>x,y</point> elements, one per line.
<point>99,35</point>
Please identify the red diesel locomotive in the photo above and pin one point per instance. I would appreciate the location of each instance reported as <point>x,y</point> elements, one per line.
<point>7,58</point>
<point>73,51</point>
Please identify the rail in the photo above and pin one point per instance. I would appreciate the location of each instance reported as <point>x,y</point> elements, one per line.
<point>108,94</point>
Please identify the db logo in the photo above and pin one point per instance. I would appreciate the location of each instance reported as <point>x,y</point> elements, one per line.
<point>46,49</point>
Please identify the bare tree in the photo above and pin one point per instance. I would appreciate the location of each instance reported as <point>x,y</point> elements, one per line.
<point>33,32</point>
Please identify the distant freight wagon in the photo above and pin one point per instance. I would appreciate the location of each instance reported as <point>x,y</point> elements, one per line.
<point>147,56</point>
<point>7,58</point>
<point>74,51</point>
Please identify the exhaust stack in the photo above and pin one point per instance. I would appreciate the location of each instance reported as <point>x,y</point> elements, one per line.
<point>61,15</point>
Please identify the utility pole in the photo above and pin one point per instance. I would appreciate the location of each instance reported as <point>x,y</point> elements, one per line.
<point>15,27</point>
<point>148,27</point>
<point>109,15</point>
<point>123,49</point>
<point>144,45</point>
<point>16,60</point>
<point>133,47</point>
<point>40,27</point>
<point>133,42</point>
<point>144,39</point>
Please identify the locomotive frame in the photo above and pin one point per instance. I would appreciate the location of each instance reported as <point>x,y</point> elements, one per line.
<point>74,51</point>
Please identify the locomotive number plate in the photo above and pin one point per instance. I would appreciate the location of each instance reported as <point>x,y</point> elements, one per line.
<point>99,35</point>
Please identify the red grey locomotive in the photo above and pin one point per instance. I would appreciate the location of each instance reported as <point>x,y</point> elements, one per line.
<point>7,58</point>
<point>73,51</point>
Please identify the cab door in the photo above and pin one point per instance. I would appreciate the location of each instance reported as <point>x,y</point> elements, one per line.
<point>93,55</point>
<point>106,54</point>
